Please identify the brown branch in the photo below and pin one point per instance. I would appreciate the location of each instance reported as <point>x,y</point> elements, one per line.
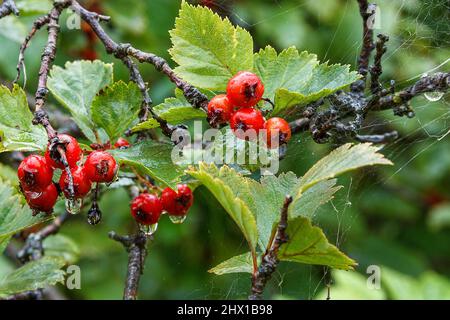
<point>376,70</point>
<point>8,7</point>
<point>269,260</point>
<point>192,94</point>
<point>37,25</point>
<point>136,245</point>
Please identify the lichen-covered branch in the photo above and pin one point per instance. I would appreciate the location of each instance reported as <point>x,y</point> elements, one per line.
<point>8,7</point>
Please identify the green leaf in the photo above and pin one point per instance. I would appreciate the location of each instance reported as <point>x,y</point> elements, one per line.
<point>8,174</point>
<point>231,190</point>
<point>308,244</point>
<point>295,79</point>
<point>174,111</point>
<point>115,108</point>
<point>313,198</point>
<point>238,264</point>
<point>208,49</point>
<point>3,244</point>
<point>154,159</point>
<point>439,217</point>
<point>290,69</point>
<point>33,7</point>
<point>33,275</point>
<point>13,29</point>
<point>15,216</point>
<point>75,87</point>
<point>17,133</point>
<point>61,247</point>
<point>345,158</point>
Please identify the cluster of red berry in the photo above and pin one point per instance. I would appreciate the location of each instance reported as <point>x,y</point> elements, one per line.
<point>36,173</point>
<point>237,107</point>
<point>146,208</point>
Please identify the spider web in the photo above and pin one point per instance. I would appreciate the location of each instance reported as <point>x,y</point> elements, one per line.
<point>417,30</point>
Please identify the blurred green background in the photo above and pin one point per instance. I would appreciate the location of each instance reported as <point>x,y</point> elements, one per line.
<point>396,218</point>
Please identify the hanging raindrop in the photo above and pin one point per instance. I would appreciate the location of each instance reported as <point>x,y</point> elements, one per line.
<point>433,96</point>
<point>73,206</point>
<point>94,214</point>
<point>177,219</point>
<point>148,230</point>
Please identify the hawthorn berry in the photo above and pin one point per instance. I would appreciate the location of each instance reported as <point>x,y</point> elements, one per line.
<point>43,200</point>
<point>277,127</point>
<point>219,110</point>
<point>34,173</point>
<point>177,203</point>
<point>81,183</point>
<point>100,166</point>
<point>121,143</point>
<point>72,150</point>
<point>146,208</point>
<point>245,119</point>
<point>245,89</point>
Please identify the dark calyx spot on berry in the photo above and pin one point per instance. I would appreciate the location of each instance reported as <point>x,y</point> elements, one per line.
<point>102,167</point>
<point>215,118</point>
<point>53,149</point>
<point>30,178</point>
<point>282,138</point>
<point>241,125</point>
<point>183,200</point>
<point>250,90</point>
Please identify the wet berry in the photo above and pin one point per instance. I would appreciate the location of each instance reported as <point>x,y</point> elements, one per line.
<point>81,183</point>
<point>277,128</point>
<point>34,173</point>
<point>146,208</point>
<point>245,89</point>
<point>219,110</point>
<point>178,202</point>
<point>72,149</point>
<point>43,200</point>
<point>246,119</point>
<point>100,166</point>
<point>121,143</point>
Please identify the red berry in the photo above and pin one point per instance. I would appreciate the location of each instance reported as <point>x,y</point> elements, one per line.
<point>219,110</point>
<point>245,89</point>
<point>34,173</point>
<point>72,150</point>
<point>277,127</point>
<point>177,203</point>
<point>42,200</point>
<point>146,208</point>
<point>121,143</point>
<point>81,183</point>
<point>100,166</point>
<point>245,119</point>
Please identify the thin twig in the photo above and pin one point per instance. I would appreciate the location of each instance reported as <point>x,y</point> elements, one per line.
<point>269,260</point>
<point>8,7</point>
<point>136,245</point>
<point>376,70</point>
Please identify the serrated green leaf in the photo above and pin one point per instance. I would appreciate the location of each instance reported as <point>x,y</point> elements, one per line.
<point>290,69</point>
<point>33,275</point>
<point>238,264</point>
<point>116,107</point>
<point>75,87</point>
<point>208,49</point>
<point>294,79</point>
<point>313,198</point>
<point>63,247</point>
<point>13,29</point>
<point>15,216</point>
<point>17,133</point>
<point>3,244</point>
<point>174,111</point>
<point>231,190</point>
<point>153,158</point>
<point>308,244</point>
<point>345,158</point>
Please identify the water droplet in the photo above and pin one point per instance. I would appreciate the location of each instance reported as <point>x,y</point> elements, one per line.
<point>148,230</point>
<point>177,219</point>
<point>94,214</point>
<point>434,96</point>
<point>73,206</point>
